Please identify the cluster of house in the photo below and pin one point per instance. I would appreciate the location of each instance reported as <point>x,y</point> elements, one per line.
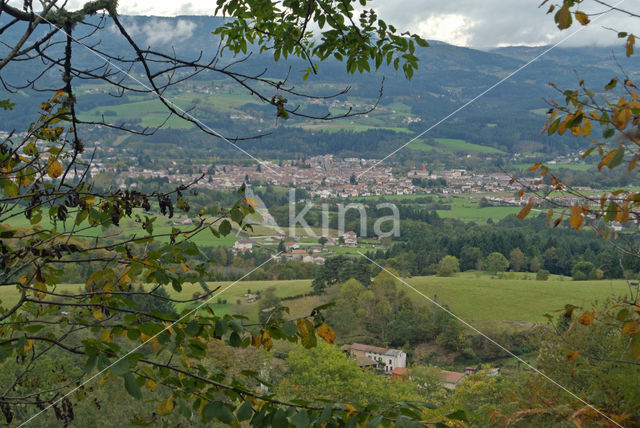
<point>312,253</point>
<point>393,363</point>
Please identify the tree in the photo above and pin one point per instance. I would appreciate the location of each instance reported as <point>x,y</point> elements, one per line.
<point>608,120</point>
<point>516,259</point>
<point>43,182</point>
<point>326,373</point>
<point>448,266</point>
<point>469,257</point>
<point>268,306</point>
<point>583,271</point>
<point>322,241</point>
<point>534,264</point>
<point>496,262</point>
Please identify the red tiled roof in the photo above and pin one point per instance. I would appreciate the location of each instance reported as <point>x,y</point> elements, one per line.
<point>451,377</point>
<point>399,371</point>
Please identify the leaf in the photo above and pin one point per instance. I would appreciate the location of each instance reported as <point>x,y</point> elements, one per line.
<point>218,410</point>
<point>245,411</point>
<point>524,212</point>
<point>586,318</point>
<point>165,407</point>
<point>225,228</point>
<point>617,158</point>
<point>576,218</point>
<point>252,202</point>
<point>306,332</point>
<point>612,84</point>
<point>582,18</point>
<point>97,314</point>
<point>459,415</point>
<point>55,169</point>
<point>572,355</point>
<point>629,45</point>
<point>132,386</point>
<point>563,17</point>
<point>326,332</point>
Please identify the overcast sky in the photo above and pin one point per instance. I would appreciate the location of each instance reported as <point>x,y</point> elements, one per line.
<point>474,23</point>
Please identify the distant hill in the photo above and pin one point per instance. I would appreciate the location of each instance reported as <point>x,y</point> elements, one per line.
<point>507,118</point>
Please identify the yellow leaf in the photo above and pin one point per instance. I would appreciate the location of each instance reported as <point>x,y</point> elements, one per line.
<point>629,46</point>
<point>326,332</point>
<point>144,338</point>
<point>151,385</point>
<point>55,169</point>
<point>106,336</point>
<point>97,314</point>
<point>572,355</point>
<point>525,211</point>
<point>58,94</point>
<point>252,202</point>
<point>350,408</point>
<point>166,407</point>
<point>586,318</point>
<point>29,345</point>
<point>576,218</point>
<point>155,345</point>
<point>582,18</point>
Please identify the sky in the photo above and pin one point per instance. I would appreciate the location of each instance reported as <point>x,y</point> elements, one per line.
<point>473,23</point>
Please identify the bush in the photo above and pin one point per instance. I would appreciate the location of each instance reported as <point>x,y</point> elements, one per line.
<point>542,275</point>
<point>448,266</point>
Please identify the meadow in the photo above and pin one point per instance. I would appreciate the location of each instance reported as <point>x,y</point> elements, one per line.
<point>454,146</point>
<point>479,298</point>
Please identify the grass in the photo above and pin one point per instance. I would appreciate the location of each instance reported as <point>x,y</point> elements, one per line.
<point>467,209</point>
<point>484,298</point>
<point>151,112</point>
<point>455,146</point>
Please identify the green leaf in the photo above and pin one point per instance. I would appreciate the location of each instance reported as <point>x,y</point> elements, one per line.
<point>617,158</point>
<point>245,411</point>
<point>121,367</point>
<point>458,415</point>
<point>224,228</point>
<point>132,386</point>
<point>218,410</point>
<point>301,419</point>
<point>221,327</point>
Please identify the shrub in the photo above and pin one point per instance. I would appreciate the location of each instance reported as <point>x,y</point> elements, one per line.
<point>542,275</point>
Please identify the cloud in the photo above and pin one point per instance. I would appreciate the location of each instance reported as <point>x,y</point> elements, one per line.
<point>474,23</point>
<point>162,31</point>
<point>489,23</point>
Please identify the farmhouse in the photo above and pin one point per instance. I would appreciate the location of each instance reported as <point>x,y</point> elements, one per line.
<point>350,239</point>
<point>387,359</point>
<point>242,246</point>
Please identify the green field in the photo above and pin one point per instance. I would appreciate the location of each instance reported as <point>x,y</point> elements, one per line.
<point>511,300</point>
<point>482,300</point>
<point>151,112</point>
<point>467,209</point>
<point>453,145</point>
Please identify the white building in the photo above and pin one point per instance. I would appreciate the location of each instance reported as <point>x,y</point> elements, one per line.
<point>386,358</point>
<point>242,245</point>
